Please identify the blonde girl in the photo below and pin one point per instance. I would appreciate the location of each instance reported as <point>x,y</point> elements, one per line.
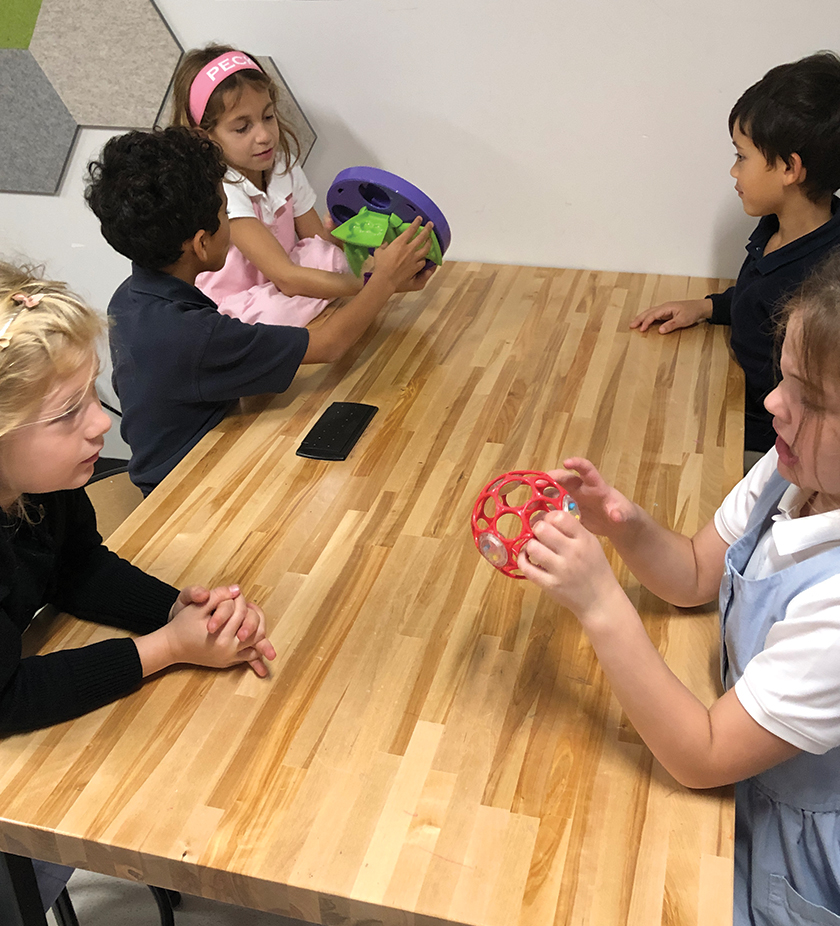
<point>51,432</point>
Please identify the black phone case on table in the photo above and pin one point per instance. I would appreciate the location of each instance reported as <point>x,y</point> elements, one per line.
<point>335,433</point>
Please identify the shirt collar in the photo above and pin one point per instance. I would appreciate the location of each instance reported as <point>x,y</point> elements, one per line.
<point>828,232</point>
<point>793,534</point>
<point>279,188</point>
<point>164,285</point>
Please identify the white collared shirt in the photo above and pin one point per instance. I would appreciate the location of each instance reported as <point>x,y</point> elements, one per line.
<point>242,194</point>
<point>791,688</point>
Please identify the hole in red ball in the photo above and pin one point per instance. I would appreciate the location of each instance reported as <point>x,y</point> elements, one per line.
<point>509,525</point>
<point>515,493</point>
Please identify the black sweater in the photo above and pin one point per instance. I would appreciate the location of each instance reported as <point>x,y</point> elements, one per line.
<point>59,559</point>
<point>752,307</point>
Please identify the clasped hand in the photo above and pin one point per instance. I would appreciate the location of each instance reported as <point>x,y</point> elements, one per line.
<point>219,628</point>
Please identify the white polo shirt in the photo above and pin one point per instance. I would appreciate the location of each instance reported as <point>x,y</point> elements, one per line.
<point>241,194</point>
<point>791,688</point>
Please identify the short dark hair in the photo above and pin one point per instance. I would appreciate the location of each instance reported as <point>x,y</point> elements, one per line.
<point>795,109</point>
<point>152,191</point>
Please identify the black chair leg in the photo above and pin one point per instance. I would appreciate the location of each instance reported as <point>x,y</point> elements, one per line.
<point>164,903</point>
<point>65,915</point>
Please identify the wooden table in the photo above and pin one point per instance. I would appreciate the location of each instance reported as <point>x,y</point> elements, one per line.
<point>436,744</point>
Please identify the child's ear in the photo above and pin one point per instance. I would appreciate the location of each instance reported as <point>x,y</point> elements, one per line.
<point>198,243</point>
<point>794,170</point>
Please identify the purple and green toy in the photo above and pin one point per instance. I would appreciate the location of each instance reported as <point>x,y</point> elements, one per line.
<point>371,206</point>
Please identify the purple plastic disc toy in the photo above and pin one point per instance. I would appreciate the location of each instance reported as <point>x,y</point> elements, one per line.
<point>384,192</point>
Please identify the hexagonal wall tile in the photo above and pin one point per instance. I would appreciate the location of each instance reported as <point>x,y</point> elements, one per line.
<point>96,63</point>
<point>110,62</point>
<point>17,22</point>
<point>36,130</point>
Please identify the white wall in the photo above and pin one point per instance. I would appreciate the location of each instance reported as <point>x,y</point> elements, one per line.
<point>574,134</point>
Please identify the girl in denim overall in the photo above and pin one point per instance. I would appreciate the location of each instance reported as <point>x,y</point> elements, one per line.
<point>772,554</point>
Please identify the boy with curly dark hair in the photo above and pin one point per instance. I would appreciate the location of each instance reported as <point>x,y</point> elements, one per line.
<point>180,365</point>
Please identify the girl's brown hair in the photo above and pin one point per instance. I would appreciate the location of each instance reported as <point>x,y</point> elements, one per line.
<point>192,62</point>
<point>817,305</point>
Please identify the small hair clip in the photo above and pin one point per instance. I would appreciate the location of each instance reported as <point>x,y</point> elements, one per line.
<point>28,302</point>
<point>25,302</point>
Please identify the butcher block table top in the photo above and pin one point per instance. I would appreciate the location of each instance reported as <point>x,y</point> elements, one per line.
<point>436,743</point>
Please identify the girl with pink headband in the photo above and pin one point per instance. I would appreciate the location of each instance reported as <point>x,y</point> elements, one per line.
<point>283,267</point>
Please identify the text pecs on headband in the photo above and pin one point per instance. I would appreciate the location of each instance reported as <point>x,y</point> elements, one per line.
<point>211,75</point>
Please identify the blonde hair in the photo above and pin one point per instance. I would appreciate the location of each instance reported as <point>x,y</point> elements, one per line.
<point>45,343</point>
<point>192,62</point>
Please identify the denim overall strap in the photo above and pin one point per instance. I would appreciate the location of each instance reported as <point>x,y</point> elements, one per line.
<point>787,837</point>
<point>738,555</point>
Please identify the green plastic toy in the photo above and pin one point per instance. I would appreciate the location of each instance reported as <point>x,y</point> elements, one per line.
<point>367,230</point>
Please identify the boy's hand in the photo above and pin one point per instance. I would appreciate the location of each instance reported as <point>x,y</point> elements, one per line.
<point>674,315</point>
<point>418,281</point>
<point>567,561</point>
<point>601,507</point>
<point>402,261</point>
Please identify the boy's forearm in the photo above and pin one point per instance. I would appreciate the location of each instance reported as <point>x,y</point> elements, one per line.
<point>331,340</point>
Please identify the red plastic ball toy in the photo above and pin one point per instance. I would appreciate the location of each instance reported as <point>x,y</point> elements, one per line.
<point>506,510</point>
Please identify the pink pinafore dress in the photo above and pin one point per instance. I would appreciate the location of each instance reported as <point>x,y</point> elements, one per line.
<point>241,291</point>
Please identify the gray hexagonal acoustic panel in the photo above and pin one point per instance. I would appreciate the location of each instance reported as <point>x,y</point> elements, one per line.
<point>109,62</point>
<point>66,64</point>
<point>36,128</point>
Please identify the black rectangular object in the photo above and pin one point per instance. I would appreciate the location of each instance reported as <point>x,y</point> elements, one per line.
<point>335,433</point>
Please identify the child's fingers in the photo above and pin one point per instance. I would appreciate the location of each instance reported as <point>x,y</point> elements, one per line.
<point>570,481</point>
<point>222,613</point>
<point>556,527</point>
<point>533,561</point>
<point>254,623</point>
<point>222,593</point>
<point>265,649</point>
<point>235,613</point>
<point>250,625</point>
<point>410,232</point>
<point>583,467</point>
<point>423,241</point>
<point>194,594</point>
<point>246,654</point>
<point>259,667</point>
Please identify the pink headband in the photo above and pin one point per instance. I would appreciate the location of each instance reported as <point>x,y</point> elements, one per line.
<point>211,75</point>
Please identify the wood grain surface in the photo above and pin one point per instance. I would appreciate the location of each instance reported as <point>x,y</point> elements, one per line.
<point>436,743</point>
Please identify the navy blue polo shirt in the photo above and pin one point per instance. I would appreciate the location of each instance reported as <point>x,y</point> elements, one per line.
<point>752,307</point>
<point>179,366</point>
